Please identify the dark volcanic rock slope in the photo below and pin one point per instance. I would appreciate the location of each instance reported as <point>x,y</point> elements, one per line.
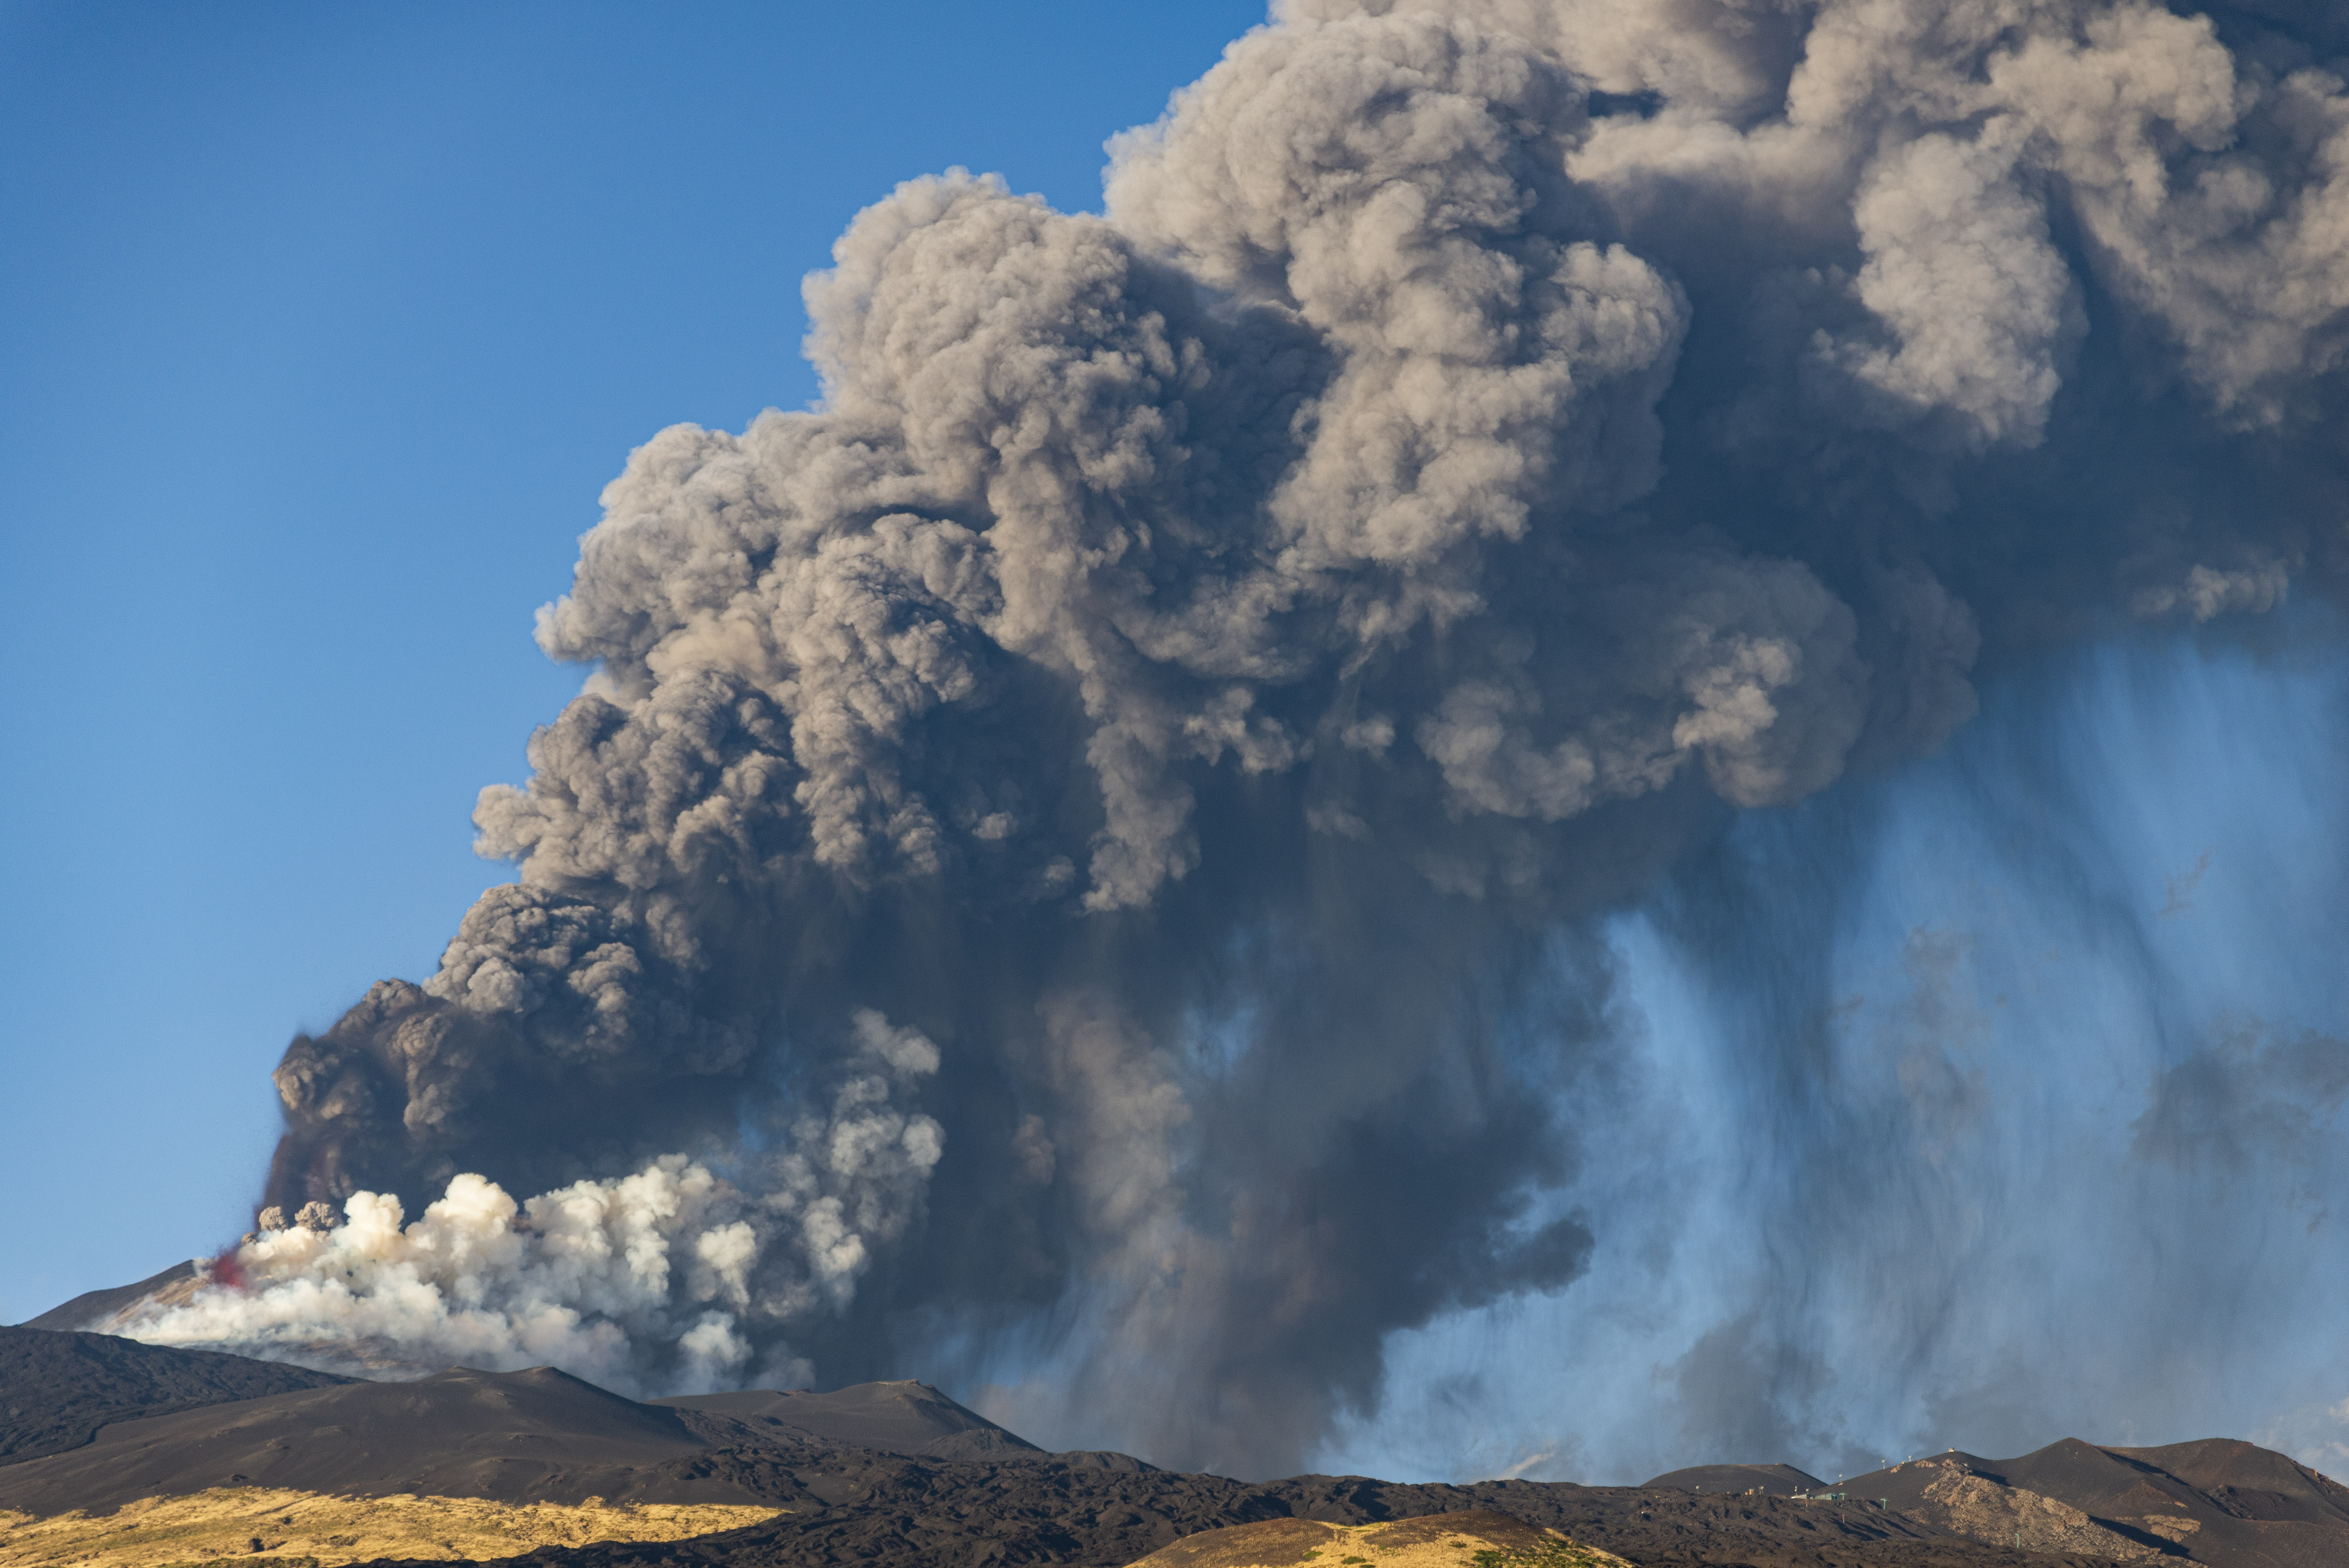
<point>96,1305</point>
<point>1770,1481</point>
<point>57,1389</point>
<point>852,1468</point>
<point>517,1436</point>
<point>904,1417</point>
<point>2219,1501</point>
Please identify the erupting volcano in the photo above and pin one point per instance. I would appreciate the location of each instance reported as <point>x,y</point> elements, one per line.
<point>1263,815</point>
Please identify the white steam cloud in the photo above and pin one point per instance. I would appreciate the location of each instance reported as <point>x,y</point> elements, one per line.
<point>587,1275</point>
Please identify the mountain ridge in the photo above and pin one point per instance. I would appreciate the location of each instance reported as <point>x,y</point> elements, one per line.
<point>899,1475</point>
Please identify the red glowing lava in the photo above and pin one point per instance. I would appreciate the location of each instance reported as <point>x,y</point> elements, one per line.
<point>224,1270</point>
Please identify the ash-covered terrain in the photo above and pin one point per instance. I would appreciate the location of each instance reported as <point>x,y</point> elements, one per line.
<point>57,1389</point>
<point>135,1456</point>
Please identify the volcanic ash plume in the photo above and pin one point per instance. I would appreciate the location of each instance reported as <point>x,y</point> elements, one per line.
<point>1093,838</point>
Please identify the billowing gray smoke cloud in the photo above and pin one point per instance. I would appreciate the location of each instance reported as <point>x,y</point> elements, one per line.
<point>1196,680</point>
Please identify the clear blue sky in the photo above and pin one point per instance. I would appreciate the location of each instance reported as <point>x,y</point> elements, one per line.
<point>320,329</point>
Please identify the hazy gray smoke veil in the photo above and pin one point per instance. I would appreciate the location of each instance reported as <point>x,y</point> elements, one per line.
<point>1098,836</point>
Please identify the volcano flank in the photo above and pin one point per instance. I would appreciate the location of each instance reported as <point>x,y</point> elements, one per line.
<point>169,1455</point>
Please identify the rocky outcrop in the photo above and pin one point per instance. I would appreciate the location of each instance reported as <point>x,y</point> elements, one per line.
<point>1978,1507</point>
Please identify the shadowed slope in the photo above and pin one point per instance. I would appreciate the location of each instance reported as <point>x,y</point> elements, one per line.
<point>535,1436</point>
<point>904,1418</point>
<point>57,1389</point>
<point>1771,1480</point>
<point>2249,1482</point>
<point>2218,1500</point>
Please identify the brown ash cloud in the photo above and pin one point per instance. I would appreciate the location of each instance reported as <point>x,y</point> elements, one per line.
<point>1200,671</point>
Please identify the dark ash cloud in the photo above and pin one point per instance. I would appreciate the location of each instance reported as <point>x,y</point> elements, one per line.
<point>1102,818</point>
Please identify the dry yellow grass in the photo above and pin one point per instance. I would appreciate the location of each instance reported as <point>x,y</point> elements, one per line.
<point>1469,1540</point>
<point>297,1527</point>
